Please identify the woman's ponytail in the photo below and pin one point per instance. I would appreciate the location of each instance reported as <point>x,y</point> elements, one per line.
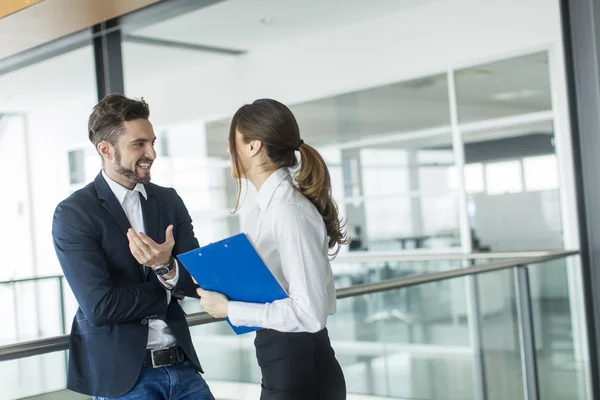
<point>314,182</point>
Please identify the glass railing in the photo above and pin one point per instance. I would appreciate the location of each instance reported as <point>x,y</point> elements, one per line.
<point>33,376</point>
<point>492,330</point>
<point>428,341</point>
<point>35,308</point>
<point>50,303</point>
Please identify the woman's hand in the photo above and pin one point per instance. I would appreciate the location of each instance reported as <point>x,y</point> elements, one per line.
<point>216,304</point>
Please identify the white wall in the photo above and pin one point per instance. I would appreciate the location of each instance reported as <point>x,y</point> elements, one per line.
<point>52,134</point>
<point>14,202</point>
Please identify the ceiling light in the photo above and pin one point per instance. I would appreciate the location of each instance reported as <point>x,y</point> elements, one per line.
<point>518,94</point>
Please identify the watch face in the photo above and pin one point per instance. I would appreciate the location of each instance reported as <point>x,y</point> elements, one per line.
<point>161,270</point>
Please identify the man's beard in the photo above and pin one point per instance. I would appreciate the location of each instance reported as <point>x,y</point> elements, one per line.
<point>130,174</point>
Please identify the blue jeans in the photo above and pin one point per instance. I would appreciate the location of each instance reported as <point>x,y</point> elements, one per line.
<point>179,382</point>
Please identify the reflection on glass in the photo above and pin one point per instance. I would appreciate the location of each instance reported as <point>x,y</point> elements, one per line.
<point>504,88</point>
<point>401,195</point>
<point>378,111</point>
<point>516,204</point>
<point>558,332</point>
<point>384,171</point>
<point>403,222</point>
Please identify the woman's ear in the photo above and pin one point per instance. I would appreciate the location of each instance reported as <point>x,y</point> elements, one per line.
<point>254,147</point>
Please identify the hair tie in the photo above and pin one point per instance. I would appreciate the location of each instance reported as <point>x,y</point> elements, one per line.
<point>300,143</point>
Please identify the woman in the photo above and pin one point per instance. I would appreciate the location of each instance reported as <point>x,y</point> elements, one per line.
<point>293,226</point>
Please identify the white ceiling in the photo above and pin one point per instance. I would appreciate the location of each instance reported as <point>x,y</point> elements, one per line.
<point>238,24</point>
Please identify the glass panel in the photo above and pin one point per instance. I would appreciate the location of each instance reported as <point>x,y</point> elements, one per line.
<point>515,205</point>
<point>30,317</point>
<point>404,223</point>
<point>56,97</point>
<point>500,89</point>
<point>404,117</point>
<point>559,331</point>
<point>500,341</point>
<point>392,344</point>
<point>76,167</point>
<point>401,194</point>
<point>385,110</point>
<point>396,343</point>
<point>34,375</point>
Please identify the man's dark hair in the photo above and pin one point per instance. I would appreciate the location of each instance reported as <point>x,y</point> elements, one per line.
<point>106,120</point>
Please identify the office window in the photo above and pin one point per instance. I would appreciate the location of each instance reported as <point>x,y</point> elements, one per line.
<point>504,177</point>
<point>541,173</point>
<point>474,178</point>
<point>76,167</point>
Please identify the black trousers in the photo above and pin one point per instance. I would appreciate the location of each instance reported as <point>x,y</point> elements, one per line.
<point>298,366</point>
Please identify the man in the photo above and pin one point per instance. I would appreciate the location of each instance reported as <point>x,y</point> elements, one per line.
<point>130,338</point>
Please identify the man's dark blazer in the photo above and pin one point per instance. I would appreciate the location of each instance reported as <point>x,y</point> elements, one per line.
<point>117,295</point>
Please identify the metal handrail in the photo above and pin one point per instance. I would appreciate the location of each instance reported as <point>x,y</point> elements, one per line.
<point>408,256</point>
<point>32,279</point>
<point>404,256</point>
<point>59,343</point>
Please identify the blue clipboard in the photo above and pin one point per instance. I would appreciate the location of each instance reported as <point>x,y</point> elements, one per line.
<point>233,267</point>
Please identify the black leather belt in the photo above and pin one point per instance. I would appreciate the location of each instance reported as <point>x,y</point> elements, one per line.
<point>164,357</point>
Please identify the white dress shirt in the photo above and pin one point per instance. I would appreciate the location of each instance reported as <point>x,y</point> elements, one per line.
<point>290,235</point>
<point>159,334</point>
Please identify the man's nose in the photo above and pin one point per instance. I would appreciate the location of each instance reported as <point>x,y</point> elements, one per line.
<point>150,153</point>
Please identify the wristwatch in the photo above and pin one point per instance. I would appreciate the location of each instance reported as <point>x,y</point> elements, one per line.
<point>165,269</point>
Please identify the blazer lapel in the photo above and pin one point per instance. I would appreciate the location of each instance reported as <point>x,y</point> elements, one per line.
<point>111,204</point>
<point>150,213</point>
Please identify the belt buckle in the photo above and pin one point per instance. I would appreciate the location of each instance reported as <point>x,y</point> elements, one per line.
<point>154,364</point>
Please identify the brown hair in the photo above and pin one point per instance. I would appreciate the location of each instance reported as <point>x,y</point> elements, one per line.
<point>106,121</point>
<point>274,125</point>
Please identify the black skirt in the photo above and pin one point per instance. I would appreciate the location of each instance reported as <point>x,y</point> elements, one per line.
<point>298,366</point>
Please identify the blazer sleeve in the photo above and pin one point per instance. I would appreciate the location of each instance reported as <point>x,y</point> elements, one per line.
<point>86,270</point>
<point>185,241</point>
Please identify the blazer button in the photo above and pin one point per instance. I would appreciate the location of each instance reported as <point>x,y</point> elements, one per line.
<point>144,321</point>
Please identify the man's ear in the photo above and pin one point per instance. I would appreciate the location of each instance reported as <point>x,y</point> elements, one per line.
<point>106,150</point>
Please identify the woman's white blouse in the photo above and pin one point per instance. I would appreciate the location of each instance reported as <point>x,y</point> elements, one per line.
<point>290,235</point>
